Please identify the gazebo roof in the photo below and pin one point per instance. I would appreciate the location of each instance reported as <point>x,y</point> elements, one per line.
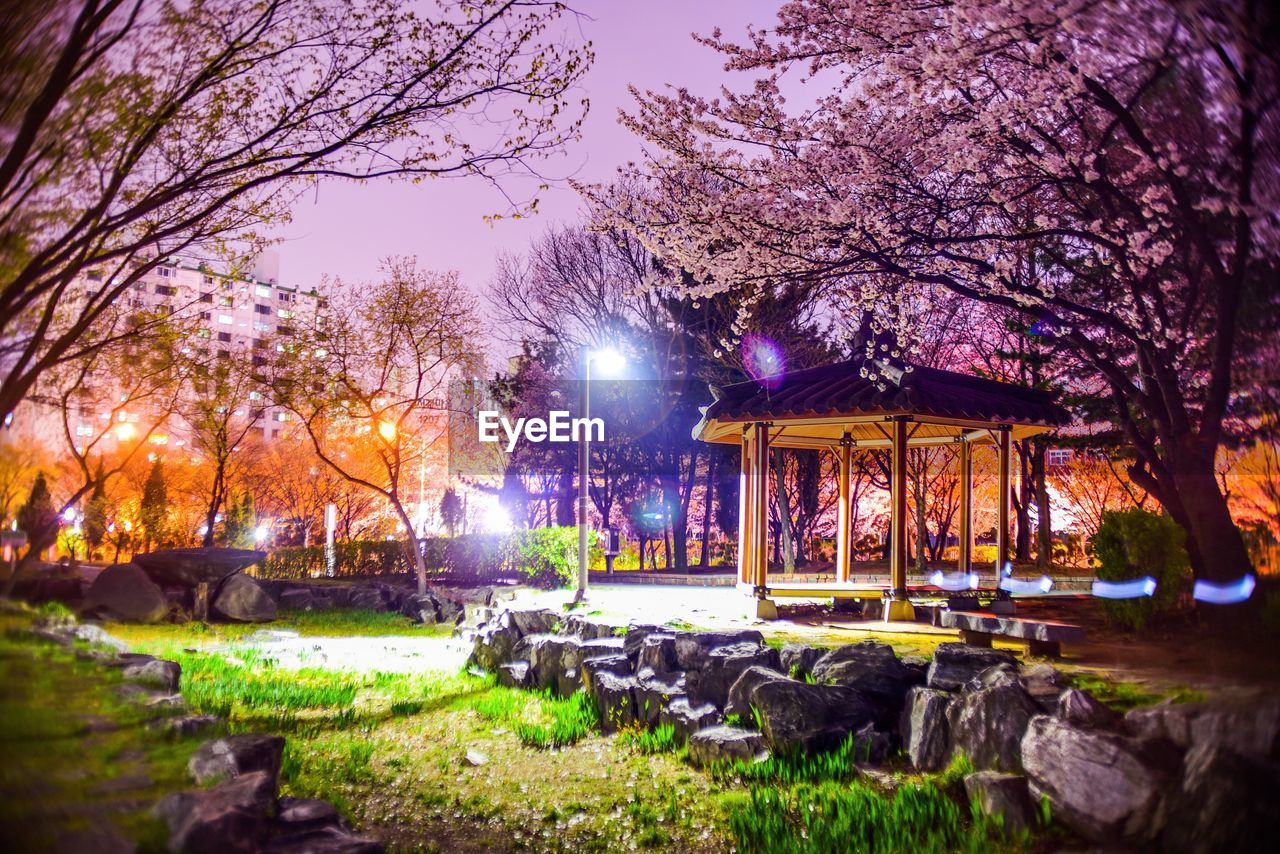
<point>824,402</point>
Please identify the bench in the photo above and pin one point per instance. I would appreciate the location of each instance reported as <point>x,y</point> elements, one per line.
<point>1042,637</point>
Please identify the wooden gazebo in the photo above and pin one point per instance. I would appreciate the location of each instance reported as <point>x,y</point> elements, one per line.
<point>862,404</point>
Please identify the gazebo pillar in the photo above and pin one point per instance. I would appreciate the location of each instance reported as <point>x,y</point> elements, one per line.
<point>965,550</point>
<point>899,606</point>
<point>1004,447</point>
<point>765,609</point>
<point>844,550</point>
<point>746,484</point>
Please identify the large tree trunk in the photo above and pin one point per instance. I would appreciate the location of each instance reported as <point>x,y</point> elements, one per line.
<point>709,502</point>
<point>1214,546</point>
<point>1022,508</point>
<point>1044,520</point>
<point>415,553</point>
<point>922,527</point>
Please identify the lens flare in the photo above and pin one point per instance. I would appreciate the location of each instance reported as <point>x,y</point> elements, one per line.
<point>1231,593</point>
<point>1135,589</point>
<point>1026,587</point>
<point>955,582</point>
<point>764,360</point>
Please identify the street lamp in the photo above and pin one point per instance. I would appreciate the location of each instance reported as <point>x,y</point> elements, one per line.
<point>610,362</point>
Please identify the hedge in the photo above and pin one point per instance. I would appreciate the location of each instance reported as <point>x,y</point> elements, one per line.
<point>544,557</point>
<point>1135,543</point>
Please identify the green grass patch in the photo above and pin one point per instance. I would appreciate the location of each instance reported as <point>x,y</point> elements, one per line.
<point>660,739</point>
<point>1123,696</point>
<point>790,769</point>
<point>337,622</point>
<point>538,718</point>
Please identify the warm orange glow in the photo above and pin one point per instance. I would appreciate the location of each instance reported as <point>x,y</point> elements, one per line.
<point>387,430</point>
<point>126,431</point>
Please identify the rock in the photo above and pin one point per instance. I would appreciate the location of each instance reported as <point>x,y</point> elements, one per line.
<point>1249,725</point>
<point>798,659</point>
<point>324,840</point>
<point>658,653</point>
<point>615,698</point>
<point>297,599</point>
<point>475,758</point>
<point>1081,709</point>
<point>694,649</point>
<point>186,726</point>
<point>97,636</point>
<point>924,730</point>
<point>1004,795</point>
<point>1226,802</point>
<point>654,691</point>
<point>515,674</point>
<point>686,719</point>
<point>123,591</point>
<point>1001,675</point>
<point>237,755</point>
<point>546,655</point>
<point>159,672</point>
<point>242,600</point>
<point>724,744</point>
<point>531,621</point>
<point>587,628</point>
<point>875,671</point>
<point>721,667</point>
<point>295,815</point>
<point>987,725</point>
<point>230,817</point>
<point>739,701</point>
<point>1104,786</point>
<point>1043,682</point>
<point>615,663</point>
<point>189,567</point>
<point>954,664</point>
<point>366,598</point>
<point>495,641</point>
<point>796,715</point>
<point>634,638</point>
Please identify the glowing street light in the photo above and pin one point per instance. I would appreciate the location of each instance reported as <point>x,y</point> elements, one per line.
<point>260,533</point>
<point>125,431</point>
<point>610,362</point>
<point>387,430</point>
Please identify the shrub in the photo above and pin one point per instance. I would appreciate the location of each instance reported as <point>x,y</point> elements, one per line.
<point>548,557</point>
<point>1134,543</point>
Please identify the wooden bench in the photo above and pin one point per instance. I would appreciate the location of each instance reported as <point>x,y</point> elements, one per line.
<point>1041,636</point>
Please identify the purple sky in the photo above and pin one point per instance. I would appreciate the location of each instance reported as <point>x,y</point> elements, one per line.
<point>343,229</point>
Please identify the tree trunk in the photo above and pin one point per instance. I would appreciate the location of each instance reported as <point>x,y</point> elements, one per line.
<point>708,502</point>
<point>784,513</point>
<point>415,553</point>
<point>922,527</point>
<point>1021,500</point>
<point>1214,545</point>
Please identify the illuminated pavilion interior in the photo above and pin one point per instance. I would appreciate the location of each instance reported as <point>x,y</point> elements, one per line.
<point>868,404</point>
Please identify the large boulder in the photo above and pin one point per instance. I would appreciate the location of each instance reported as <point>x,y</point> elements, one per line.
<point>720,668</point>
<point>616,663</point>
<point>633,640</point>
<point>296,599</point>
<point>615,698</point>
<point>189,567</point>
<point>739,702</point>
<point>546,655</point>
<point>954,664</point>
<point>1227,802</point>
<point>236,755</point>
<point>495,640</point>
<point>157,671</point>
<point>589,628</point>
<point>657,652</point>
<point>926,736</point>
<point>654,691</point>
<point>987,725</point>
<point>724,744</point>
<point>694,649</point>
<point>1248,725</point>
<point>123,591</point>
<point>686,719</point>
<point>230,817</point>
<point>798,716</point>
<point>798,659</point>
<point>1002,795</point>
<point>1044,683</point>
<point>1106,787</point>
<point>242,600</point>
<point>875,671</point>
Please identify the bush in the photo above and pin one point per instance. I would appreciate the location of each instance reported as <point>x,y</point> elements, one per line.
<point>548,557</point>
<point>1134,543</point>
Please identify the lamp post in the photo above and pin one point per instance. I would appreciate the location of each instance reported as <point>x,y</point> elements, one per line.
<point>610,362</point>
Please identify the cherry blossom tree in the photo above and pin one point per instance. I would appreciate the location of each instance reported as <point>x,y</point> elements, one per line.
<point>1126,149</point>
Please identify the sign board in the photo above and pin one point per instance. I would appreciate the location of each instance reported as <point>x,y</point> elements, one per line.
<point>13,539</point>
<point>612,541</point>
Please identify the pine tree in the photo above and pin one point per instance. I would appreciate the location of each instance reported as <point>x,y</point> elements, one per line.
<point>451,511</point>
<point>155,505</point>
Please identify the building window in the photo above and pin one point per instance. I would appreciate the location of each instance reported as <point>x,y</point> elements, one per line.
<point>204,315</point>
<point>164,272</point>
<point>225,318</point>
<point>206,297</point>
<point>1059,456</point>
<point>224,336</point>
<point>263,291</point>
<point>262,309</point>
<point>208,280</point>
<point>286,331</point>
<point>166,290</point>
<point>285,314</point>
<point>224,354</point>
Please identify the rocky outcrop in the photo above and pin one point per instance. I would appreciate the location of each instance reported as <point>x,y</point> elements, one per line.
<point>1226,802</point>
<point>163,674</point>
<point>654,691</point>
<point>1082,709</point>
<point>717,668</point>
<point>954,664</point>
<point>615,697</point>
<point>798,659</point>
<point>1248,725</point>
<point>241,600</point>
<point>718,744</point>
<point>686,719</point>
<point>236,755</point>
<point>231,817</point>
<point>123,591</point>
<point>1104,786</point>
<point>796,715</point>
<point>925,734</point>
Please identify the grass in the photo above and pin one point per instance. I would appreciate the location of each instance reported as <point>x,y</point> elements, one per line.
<point>1123,696</point>
<point>792,769</point>
<point>338,622</point>
<point>660,739</point>
<point>538,718</point>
